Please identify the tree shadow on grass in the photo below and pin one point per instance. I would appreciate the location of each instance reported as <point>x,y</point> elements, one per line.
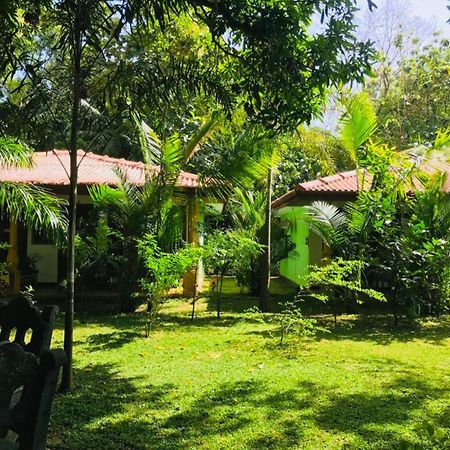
<point>227,409</point>
<point>125,322</point>
<point>108,341</point>
<point>171,320</point>
<point>107,410</point>
<point>373,417</point>
<point>231,302</point>
<point>238,304</point>
<point>81,419</point>
<point>380,330</point>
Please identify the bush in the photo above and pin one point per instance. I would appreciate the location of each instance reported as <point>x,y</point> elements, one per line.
<point>163,272</point>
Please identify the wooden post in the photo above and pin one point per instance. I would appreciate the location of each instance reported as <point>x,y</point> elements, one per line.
<point>13,258</point>
<point>193,280</point>
<point>266,234</point>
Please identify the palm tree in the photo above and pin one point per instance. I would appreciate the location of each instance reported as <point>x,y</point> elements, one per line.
<point>153,207</point>
<point>31,205</point>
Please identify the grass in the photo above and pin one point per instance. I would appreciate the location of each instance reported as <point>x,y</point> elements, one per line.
<point>212,384</point>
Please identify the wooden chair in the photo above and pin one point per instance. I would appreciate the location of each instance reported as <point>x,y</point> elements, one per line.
<point>27,389</point>
<point>21,315</point>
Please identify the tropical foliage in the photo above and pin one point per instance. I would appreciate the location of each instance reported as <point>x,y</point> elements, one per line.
<point>339,284</point>
<point>29,204</point>
<point>412,99</point>
<point>154,207</point>
<point>230,252</point>
<point>398,226</point>
<point>312,153</point>
<point>163,271</point>
<point>93,250</point>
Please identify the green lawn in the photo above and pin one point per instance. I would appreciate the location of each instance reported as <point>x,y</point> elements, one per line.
<point>212,384</point>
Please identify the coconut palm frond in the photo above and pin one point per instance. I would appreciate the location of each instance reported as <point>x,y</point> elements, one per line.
<point>170,232</point>
<point>171,156</point>
<point>249,209</point>
<point>252,156</point>
<point>103,195</point>
<point>358,218</point>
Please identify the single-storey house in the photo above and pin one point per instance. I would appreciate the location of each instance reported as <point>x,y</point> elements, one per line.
<point>337,189</point>
<point>51,171</point>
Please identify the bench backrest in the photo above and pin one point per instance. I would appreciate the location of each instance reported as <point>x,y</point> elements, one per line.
<point>26,395</point>
<point>21,315</point>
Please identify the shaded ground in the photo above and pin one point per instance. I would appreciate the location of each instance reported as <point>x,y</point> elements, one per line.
<point>96,301</point>
<point>212,384</point>
<point>108,301</point>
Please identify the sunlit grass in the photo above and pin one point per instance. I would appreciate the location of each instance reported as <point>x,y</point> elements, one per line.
<point>211,384</point>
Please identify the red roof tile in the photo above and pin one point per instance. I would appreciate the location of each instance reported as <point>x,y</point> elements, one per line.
<point>51,168</point>
<point>341,182</point>
<point>347,182</point>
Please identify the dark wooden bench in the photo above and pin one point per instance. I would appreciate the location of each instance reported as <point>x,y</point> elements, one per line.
<point>27,389</point>
<point>21,316</point>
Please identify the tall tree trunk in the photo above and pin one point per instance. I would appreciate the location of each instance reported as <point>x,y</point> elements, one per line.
<point>67,376</point>
<point>264,293</point>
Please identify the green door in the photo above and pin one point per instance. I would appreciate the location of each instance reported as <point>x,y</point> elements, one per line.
<point>296,266</point>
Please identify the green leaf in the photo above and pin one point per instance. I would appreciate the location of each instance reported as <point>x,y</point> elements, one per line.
<point>358,124</point>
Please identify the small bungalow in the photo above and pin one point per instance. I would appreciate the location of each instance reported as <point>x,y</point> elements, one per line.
<point>336,189</point>
<point>51,171</point>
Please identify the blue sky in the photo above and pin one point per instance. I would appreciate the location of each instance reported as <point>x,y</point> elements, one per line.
<point>434,11</point>
<point>421,17</point>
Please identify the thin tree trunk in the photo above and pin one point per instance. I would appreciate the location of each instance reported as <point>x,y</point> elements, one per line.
<point>67,376</point>
<point>194,294</point>
<point>264,292</point>
<point>219,295</point>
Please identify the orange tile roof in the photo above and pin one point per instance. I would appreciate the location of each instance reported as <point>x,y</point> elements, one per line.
<point>51,168</point>
<point>346,183</point>
<point>341,182</point>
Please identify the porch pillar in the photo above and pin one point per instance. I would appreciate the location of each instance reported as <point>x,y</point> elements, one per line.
<point>193,280</point>
<point>13,259</point>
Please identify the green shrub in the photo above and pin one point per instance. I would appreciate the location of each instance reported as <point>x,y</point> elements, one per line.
<point>163,272</point>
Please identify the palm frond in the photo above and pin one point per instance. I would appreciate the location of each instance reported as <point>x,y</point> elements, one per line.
<point>14,153</point>
<point>150,144</point>
<point>33,206</point>
<point>171,156</point>
<point>358,124</point>
<point>252,156</point>
<point>442,139</point>
<point>248,211</point>
<point>358,218</point>
<point>170,231</point>
<point>194,142</point>
<point>103,195</point>
<point>326,220</point>
<point>327,213</point>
